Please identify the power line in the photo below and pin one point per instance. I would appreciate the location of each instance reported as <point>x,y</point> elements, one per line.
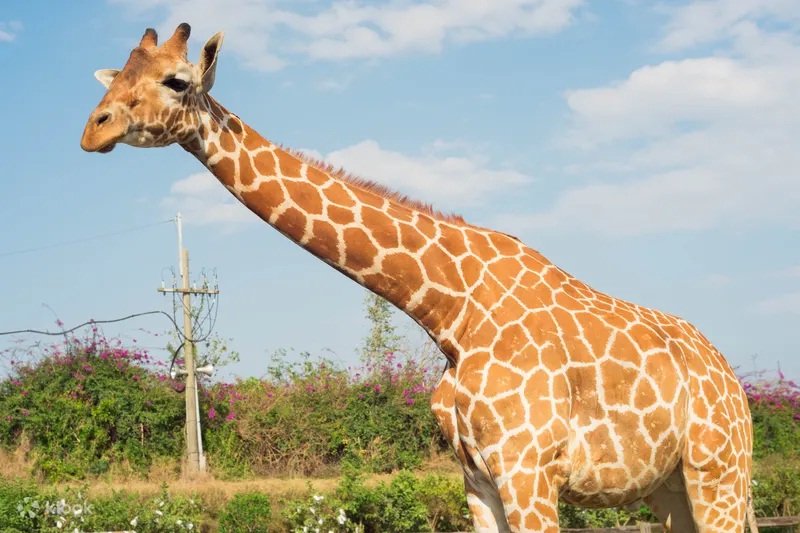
<point>85,239</point>
<point>90,322</point>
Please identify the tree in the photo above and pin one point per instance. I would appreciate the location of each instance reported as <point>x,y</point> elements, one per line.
<point>382,338</point>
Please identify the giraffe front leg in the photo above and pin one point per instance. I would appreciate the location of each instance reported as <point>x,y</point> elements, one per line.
<point>485,504</point>
<point>530,500</point>
<point>483,500</point>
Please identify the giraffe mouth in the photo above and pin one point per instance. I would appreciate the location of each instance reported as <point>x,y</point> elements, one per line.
<point>107,148</point>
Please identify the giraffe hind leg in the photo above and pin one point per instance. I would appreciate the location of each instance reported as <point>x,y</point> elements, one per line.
<point>670,504</point>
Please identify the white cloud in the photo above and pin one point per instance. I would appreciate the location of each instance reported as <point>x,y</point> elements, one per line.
<point>352,30</point>
<point>266,33</point>
<point>202,201</point>
<point>656,99</point>
<point>688,144</point>
<point>447,181</point>
<point>248,25</point>
<point>707,21</point>
<point>9,31</point>
<point>788,303</point>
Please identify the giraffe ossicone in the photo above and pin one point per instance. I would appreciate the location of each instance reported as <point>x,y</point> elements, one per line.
<point>553,390</point>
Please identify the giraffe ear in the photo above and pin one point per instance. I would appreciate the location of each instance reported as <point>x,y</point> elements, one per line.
<point>208,62</point>
<point>106,76</point>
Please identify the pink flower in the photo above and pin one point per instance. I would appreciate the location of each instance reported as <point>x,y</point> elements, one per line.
<point>230,416</point>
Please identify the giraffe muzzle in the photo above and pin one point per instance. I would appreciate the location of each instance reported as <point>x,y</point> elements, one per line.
<point>102,132</point>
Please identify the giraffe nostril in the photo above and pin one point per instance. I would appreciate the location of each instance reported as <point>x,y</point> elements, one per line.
<point>102,118</point>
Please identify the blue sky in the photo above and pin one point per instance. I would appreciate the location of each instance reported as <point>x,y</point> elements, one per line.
<point>650,149</point>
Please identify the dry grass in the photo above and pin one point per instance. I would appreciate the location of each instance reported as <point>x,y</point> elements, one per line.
<point>121,476</point>
<point>16,464</point>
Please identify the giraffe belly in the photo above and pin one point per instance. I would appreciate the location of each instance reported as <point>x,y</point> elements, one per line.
<point>613,463</point>
<point>613,498</point>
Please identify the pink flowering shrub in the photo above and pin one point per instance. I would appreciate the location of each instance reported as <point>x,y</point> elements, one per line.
<point>85,403</point>
<point>309,417</point>
<point>775,408</point>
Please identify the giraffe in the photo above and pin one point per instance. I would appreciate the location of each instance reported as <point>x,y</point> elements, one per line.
<point>552,390</point>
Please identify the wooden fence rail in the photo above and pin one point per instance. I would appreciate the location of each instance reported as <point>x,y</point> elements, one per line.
<point>774,521</point>
<point>643,527</point>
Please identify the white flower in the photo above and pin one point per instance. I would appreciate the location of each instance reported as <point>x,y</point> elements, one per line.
<point>179,521</point>
<point>341,517</point>
<point>19,507</point>
<point>134,521</point>
<point>190,526</point>
<point>59,524</point>
<point>320,521</point>
<point>318,498</point>
<point>35,504</point>
<point>312,511</point>
<point>77,511</point>
<point>159,513</point>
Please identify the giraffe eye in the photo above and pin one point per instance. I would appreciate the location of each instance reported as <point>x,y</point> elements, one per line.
<point>176,84</point>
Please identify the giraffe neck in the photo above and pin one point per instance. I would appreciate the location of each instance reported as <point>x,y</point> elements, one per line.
<point>379,241</point>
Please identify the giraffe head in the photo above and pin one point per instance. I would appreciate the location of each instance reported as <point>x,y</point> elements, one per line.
<point>153,100</point>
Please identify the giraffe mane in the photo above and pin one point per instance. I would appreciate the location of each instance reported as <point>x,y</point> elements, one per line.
<point>374,187</point>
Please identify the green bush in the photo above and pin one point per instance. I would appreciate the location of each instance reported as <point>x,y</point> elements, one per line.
<point>776,491</point>
<point>316,512</point>
<point>88,403</point>
<point>775,408</point>
<point>25,508</point>
<point>576,517</point>
<point>405,504</point>
<point>13,494</point>
<point>246,512</point>
<point>310,417</point>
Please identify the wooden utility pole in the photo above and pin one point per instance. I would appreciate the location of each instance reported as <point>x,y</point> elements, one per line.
<point>194,454</point>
